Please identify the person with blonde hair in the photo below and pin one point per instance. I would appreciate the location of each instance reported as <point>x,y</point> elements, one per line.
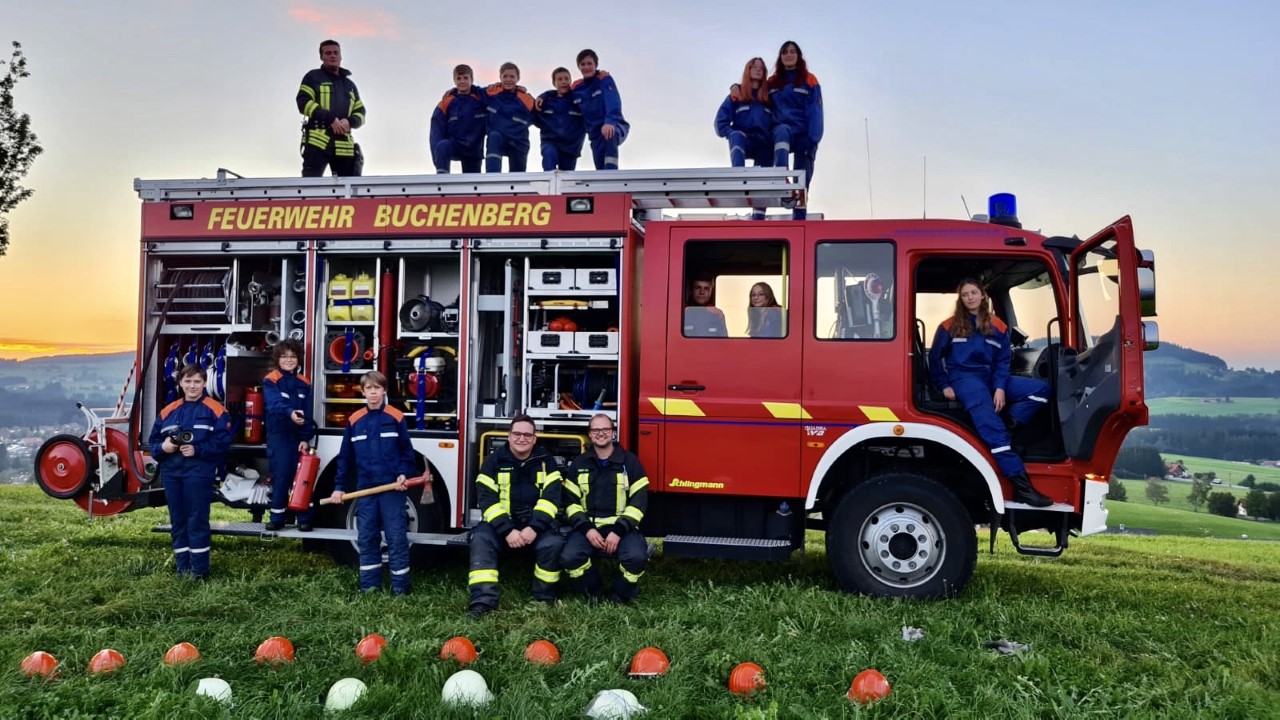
<point>764,314</point>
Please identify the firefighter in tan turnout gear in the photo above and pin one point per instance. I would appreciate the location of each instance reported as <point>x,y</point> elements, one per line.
<point>607,493</point>
<point>519,496</point>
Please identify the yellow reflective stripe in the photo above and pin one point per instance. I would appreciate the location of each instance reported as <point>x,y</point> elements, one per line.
<point>360,115</point>
<point>634,513</point>
<point>326,90</point>
<point>620,492</point>
<point>486,481</point>
<point>304,88</point>
<point>602,521</point>
<point>574,509</point>
<point>630,577</point>
<point>504,489</point>
<point>496,510</point>
<point>579,571</point>
<point>548,576</point>
<point>638,485</point>
<point>675,406</point>
<point>878,414</point>
<point>573,488</point>
<point>310,107</point>
<point>478,577</point>
<point>545,506</point>
<point>787,411</point>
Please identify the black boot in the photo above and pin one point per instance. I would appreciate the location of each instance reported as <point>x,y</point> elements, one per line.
<point>1023,492</point>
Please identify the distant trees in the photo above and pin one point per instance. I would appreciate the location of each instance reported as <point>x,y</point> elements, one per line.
<point>1116,490</point>
<point>1222,503</point>
<point>1249,481</point>
<point>1157,493</point>
<point>18,145</point>
<point>1234,437</point>
<point>1273,511</point>
<point>1200,489</point>
<point>1257,504</point>
<point>1139,461</point>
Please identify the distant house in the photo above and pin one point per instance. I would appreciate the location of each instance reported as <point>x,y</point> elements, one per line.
<point>1175,469</point>
<point>1269,463</point>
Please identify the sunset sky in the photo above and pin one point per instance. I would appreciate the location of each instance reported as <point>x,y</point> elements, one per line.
<point>1086,110</point>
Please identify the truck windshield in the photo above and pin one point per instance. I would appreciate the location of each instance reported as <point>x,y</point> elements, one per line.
<point>1098,293</point>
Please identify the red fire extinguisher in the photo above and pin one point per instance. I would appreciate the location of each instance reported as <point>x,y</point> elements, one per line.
<point>254,416</point>
<point>304,482</point>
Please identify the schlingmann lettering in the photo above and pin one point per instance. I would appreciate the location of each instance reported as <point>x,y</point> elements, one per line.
<point>695,484</point>
<point>484,214</point>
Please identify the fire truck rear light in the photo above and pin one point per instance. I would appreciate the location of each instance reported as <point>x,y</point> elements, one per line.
<point>580,206</point>
<point>899,430</point>
<point>182,212</point>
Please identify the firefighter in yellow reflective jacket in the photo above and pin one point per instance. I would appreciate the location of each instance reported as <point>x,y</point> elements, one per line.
<point>607,493</point>
<point>519,490</point>
<point>331,105</point>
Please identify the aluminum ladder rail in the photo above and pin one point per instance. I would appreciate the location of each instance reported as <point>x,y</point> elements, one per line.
<point>649,189</point>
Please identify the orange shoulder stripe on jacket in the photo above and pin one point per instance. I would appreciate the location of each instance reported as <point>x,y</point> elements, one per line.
<point>393,412</point>
<point>946,324</point>
<point>812,80</point>
<point>164,413</point>
<point>443,105</point>
<point>214,405</point>
<point>274,375</point>
<point>357,415</point>
<point>304,379</point>
<point>998,324</point>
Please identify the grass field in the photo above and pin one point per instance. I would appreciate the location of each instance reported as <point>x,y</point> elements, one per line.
<point>1229,471</point>
<point>1119,626</point>
<point>1203,406</point>
<point>1174,521</point>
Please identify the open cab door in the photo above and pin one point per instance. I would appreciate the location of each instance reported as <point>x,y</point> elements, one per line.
<point>1099,381</point>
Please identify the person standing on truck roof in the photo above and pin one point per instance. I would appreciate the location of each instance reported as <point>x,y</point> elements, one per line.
<point>519,492</point>
<point>189,442</point>
<point>510,115</point>
<point>796,97</point>
<point>970,360</point>
<point>560,123</point>
<point>287,394</point>
<point>608,493</point>
<point>597,98</point>
<point>459,124</point>
<point>377,450</point>
<point>745,119</point>
<point>701,317</point>
<point>331,104</point>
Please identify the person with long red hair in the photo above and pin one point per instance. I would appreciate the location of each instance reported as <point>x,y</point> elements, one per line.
<point>796,98</point>
<point>745,119</point>
<point>970,360</point>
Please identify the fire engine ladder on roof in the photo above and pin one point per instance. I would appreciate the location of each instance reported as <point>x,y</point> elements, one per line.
<point>649,189</point>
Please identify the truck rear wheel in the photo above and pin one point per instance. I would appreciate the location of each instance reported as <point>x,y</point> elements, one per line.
<point>901,535</point>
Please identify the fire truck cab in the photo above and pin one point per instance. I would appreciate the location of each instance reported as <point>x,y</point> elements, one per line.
<point>562,295</point>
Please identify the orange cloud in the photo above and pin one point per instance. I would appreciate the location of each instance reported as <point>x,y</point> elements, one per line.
<point>347,22</point>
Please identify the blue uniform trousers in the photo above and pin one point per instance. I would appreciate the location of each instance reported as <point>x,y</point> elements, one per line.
<point>446,151</point>
<point>380,516</point>
<point>485,548</point>
<point>517,154</point>
<point>1024,397</point>
<point>553,158</point>
<point>785,142</point>
<point>189,499</point>
<point>605,152</point>
<point>282,455</point>
<point>743,147</point>
<point>581,562</point>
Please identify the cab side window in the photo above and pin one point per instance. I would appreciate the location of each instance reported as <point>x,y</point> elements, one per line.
<point>736,289</point>
<point>854,291</point>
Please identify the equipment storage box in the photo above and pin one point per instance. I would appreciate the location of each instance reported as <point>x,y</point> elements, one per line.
<point>596,343</point>
<point>551,278</point>
<point>596,279</point>
<point>556,343</point>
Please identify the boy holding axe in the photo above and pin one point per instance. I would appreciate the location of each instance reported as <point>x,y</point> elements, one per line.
<point>376,448</point>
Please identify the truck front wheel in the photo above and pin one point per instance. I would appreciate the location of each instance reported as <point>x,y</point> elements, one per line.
<point>901,535</point>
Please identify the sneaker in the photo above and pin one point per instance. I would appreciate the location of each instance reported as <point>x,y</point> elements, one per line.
<point>275,525</point>
<point>477,611</point>
<point>304,527</point>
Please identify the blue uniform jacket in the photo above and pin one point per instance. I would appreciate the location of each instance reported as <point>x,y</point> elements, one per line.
<point>462,119</point>
<point>799,108</point>
<point>751,117</point>
<point>986,356</point>
<point>561,122</point>
<point>376,448</point>
<point>598,100</point>
<point>207,419</point>
<point>283,393</point>
<point>510,113</point>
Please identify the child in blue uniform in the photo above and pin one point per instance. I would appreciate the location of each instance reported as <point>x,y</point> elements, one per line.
<point>510,115</point>
<point>377,450</point>
<point>189,443</point>
<point>597,98</point>
<point>287,394</point>
<point>561,124</point>
<point>458,125</point>
<point>746,120</point>
<point>796,97</point>
<point>970,360</point>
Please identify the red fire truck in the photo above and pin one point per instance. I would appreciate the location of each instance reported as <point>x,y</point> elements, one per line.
<point>562,295</point>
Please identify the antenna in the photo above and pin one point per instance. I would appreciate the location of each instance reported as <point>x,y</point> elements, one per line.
<point>866,126</point>
<point>924,180</point>
<point>966,208</point>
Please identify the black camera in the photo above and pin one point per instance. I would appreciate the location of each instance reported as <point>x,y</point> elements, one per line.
<point>177,435</point>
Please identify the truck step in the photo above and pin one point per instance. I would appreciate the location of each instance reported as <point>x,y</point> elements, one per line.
<point>725,548</point>
<point>259,530</point>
